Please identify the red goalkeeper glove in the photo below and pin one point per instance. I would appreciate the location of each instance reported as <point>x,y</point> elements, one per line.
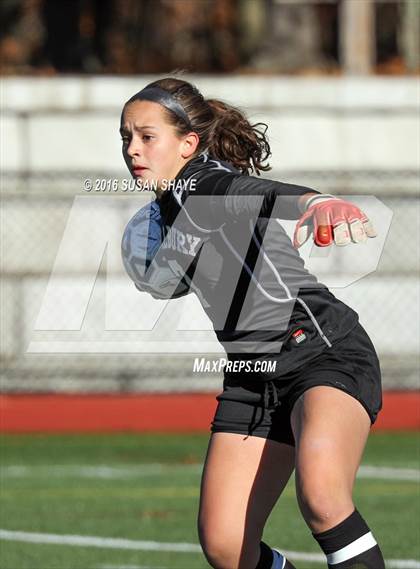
<point>332,219</point>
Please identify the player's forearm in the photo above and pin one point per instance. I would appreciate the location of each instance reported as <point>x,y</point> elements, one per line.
<point>250,196</point>
<point>286,201</point>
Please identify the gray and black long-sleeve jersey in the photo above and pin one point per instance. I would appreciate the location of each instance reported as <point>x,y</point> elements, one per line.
<point>224,233</point>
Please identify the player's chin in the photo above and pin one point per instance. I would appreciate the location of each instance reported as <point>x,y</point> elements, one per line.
<point>147,178</point>
<point>138,175</point>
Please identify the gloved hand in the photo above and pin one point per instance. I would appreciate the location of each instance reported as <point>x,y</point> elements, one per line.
<point>332,219</point>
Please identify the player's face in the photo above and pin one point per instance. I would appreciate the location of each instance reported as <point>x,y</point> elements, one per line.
<point>151,148</point>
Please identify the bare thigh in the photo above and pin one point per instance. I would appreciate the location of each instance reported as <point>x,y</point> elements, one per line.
<point>242,480</point>
<point>330,428</point>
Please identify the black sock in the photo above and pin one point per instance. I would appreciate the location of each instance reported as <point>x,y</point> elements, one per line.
<point>350,545</point>
<point>267,558</point>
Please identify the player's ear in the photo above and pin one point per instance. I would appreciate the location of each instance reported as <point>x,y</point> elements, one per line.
<point>189,144</point>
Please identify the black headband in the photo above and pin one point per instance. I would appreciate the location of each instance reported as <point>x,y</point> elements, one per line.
<point>158,95</point>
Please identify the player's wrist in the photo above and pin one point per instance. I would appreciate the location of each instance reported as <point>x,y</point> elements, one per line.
<point>303,200</point>
<point>312,199</point>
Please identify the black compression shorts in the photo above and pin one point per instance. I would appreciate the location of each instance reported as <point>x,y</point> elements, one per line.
<point>263,408</point>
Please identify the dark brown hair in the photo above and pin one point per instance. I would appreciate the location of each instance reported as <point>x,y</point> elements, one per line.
<point>224,131</point>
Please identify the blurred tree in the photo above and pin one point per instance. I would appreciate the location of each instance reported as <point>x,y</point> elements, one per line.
<point>159,36</point>
<point>189,41</point>
<point>252,21</point>
<point>409,35</point>
<point>357,36</point>
<point>224,34</point>
<point>63,46</point>
<point>21,35</point>
<point>292,39</point>
<point>95,20</point>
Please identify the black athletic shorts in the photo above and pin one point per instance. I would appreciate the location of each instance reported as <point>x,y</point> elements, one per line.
<point>263,408</point>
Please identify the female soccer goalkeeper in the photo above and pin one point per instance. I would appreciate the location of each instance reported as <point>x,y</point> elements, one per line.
<point>310,409</point>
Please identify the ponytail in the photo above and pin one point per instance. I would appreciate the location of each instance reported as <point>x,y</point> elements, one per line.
<point>234,139</point>
<point>223,130</point>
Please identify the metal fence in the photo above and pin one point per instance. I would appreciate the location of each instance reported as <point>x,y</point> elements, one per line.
<point>35,212</point>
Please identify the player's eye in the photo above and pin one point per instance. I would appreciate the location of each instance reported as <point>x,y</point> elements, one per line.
<point>147,137</point>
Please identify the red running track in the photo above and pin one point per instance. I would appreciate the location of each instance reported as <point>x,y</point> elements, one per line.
<point>153,412</point>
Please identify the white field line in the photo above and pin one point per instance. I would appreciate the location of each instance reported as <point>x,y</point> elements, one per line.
<point>152,469</point>
<point>90,541</point>
<point>389,473</point>
<point>98,471</point>
<point>119,543</point>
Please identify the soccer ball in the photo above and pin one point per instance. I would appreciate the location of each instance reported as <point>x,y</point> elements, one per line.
<point>150,269</point>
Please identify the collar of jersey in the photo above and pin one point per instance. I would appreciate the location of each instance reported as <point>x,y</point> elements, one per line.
<point>194,165</point>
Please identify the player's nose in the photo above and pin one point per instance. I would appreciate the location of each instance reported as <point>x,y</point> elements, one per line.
<point>134,148</point>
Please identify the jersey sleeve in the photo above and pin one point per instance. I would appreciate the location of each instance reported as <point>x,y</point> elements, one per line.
<point>229,197</point>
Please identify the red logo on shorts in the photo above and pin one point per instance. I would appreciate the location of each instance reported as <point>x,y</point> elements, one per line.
<point>299,336</point>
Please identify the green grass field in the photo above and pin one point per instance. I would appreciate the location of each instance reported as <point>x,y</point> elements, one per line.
<point>146,487</point>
